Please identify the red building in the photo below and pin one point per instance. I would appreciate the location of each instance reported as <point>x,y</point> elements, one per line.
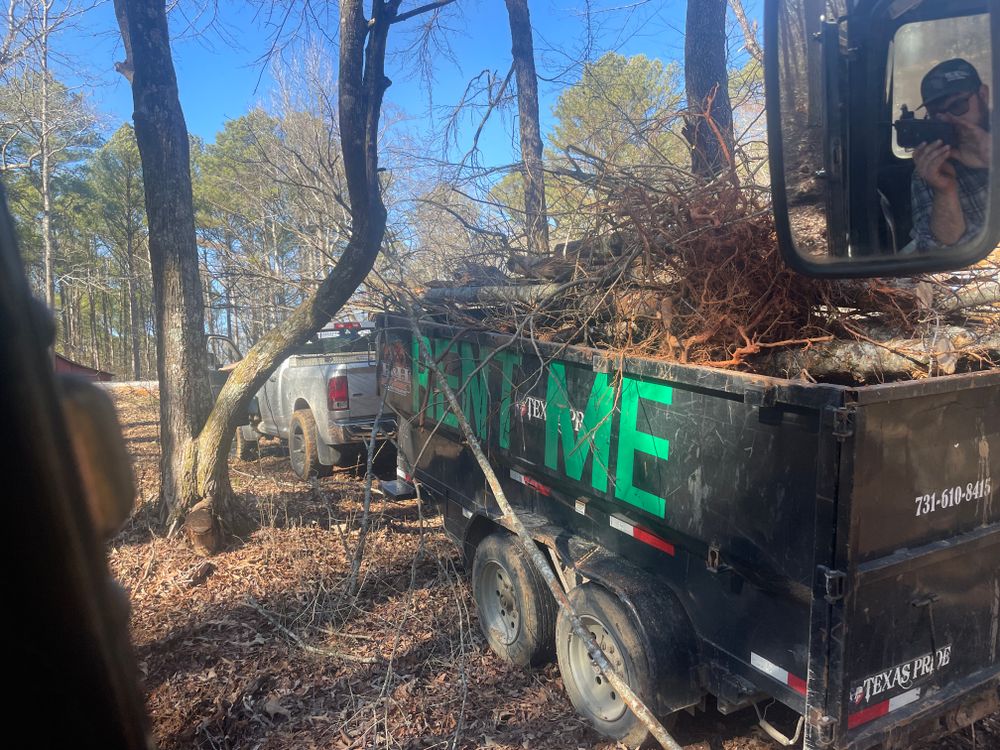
<point>69,367</point>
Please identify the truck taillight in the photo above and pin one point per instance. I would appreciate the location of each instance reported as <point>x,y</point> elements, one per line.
<point>336,393</point>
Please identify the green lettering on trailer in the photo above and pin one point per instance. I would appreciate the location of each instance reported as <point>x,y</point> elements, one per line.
<point>595,429</point>
<point>442,412</point>
<point>508,361</point>
<point>475,393</point>
<point>421,372</point>
<point>437,406</point>
<point>632,440</point>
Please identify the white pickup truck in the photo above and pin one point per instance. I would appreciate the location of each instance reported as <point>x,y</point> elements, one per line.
<point>321,402</point>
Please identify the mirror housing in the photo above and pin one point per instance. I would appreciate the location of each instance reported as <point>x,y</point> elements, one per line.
<point>838,162</point>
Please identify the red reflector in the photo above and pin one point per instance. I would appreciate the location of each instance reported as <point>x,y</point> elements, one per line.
<point>797,684</point>
<point>652,540</point>
<point>346,326</point>
<point>868,714</point>
<point>336,393</point>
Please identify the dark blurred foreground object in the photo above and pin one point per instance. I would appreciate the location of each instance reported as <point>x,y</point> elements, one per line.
<point>76,675</point>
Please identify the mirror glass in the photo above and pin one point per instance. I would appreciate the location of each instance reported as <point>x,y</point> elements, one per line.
<point>802,125</point>
<point>886,145</point>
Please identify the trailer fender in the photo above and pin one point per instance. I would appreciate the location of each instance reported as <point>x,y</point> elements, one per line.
<point>667,632</point>
<point>478,528</point>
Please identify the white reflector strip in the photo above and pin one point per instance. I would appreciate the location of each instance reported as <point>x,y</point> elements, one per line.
<point>904,699</point>
<point>622,526</point>
<point>529,482</point>
<point>640,534</point>
<point>768,667</point>
<point>878,710</point>
<point>781,675</point>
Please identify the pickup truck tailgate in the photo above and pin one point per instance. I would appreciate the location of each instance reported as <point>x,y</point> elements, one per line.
<point>921,605</point>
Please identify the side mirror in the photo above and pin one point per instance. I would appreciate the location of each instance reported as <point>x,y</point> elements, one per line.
<point>883,161</point>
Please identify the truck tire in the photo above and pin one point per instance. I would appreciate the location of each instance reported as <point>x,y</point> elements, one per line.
<point>612,625</point>
<point>243,448</point>
<point>517,613</point>
<point>302,451</point>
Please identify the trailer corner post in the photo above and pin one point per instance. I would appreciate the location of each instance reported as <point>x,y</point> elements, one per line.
<point>635,704</point>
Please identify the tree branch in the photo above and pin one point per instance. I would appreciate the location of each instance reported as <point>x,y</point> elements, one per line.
<point>422,9</point>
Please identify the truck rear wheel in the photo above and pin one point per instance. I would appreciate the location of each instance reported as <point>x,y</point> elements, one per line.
<point>302,451</point>
<point>517,613</point>
<point>612,626</point>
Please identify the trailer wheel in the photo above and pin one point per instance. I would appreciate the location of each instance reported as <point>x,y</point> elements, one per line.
<point>516,610</point>
<point>619,637</point>
<point>302,446</point>
<point>243,448</point>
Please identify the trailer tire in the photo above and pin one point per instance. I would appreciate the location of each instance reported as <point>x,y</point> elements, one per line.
<point>517,613</point>
<point>612,625</point>
<point>302,452</point>
<point>243,448</point>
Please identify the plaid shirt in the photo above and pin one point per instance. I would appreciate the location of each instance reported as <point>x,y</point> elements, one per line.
<point>973,194</point>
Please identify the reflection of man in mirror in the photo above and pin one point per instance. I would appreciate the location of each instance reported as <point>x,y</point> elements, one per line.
<point>949,185</point>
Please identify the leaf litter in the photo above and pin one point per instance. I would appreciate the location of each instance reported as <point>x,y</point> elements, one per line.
<point>260,647</point>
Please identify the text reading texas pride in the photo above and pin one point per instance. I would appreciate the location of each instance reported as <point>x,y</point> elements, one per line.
<point>577,435</point>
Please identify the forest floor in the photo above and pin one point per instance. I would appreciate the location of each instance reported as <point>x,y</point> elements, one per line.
<point>260,647</point>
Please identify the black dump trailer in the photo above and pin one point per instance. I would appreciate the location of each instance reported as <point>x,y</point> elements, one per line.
<point>834,548</point>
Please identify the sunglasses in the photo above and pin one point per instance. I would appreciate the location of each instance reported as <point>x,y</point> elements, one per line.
<point>957,108</point>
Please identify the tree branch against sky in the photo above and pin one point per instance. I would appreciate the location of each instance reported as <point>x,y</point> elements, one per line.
<point>271,200</point>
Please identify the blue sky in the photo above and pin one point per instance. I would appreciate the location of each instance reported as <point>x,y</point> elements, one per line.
<point>220,75</point>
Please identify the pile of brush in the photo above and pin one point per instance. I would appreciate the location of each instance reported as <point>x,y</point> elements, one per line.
<point>678,269</point>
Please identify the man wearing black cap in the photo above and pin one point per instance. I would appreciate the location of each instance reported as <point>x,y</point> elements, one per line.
<point>950,183</point>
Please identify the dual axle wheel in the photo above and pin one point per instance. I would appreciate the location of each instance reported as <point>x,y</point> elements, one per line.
<point>522,623</point>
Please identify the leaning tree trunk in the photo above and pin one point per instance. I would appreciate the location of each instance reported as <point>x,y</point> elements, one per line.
<point>178,308</point>
<point>523,51</point>
<point>362,84</point>
<point>709,122</point>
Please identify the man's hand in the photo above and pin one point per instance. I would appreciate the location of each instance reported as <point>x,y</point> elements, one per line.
<point>931,163</point>
<point>973,142</point>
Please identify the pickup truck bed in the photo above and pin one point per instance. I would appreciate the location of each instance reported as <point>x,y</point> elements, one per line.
<point>323,402</point>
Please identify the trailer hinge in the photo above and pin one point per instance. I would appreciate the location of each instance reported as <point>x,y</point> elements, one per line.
<point>835,582</point>
<point>825,730</point>
<point>843,423</point>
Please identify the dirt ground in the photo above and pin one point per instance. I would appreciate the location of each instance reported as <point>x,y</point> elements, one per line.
<point>261,647</point>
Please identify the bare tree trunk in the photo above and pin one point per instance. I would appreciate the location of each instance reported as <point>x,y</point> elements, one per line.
<point>198,468</point>
<point>178,310</point>
<point>95,349</point>
<point>523,51</point>
<point>110,359</point>
<point>709,126</point>
<point>749,32</point>
<point>134,313</point>
<point>123,326</point>
<point>46,161</point>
